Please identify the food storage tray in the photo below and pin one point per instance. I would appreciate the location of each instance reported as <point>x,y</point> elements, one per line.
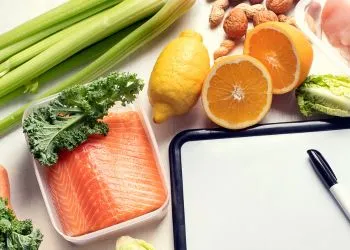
<point>118,229</point>
<point>308,19</point>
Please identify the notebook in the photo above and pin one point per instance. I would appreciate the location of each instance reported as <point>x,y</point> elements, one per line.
<point>256,189</point>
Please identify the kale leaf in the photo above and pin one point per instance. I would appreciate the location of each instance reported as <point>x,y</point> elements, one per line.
<point>74,115</point>
<point>16,234</point>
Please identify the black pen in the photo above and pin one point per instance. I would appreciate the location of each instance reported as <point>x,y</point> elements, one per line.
<point>329,179</point>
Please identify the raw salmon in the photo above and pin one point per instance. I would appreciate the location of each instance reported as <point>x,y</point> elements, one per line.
<point>107,180</point>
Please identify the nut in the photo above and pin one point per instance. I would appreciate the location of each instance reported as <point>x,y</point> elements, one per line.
<point>255,1</point>
<point>250,10</point>
<point>236,24</point>
<point>226,47</point>
<point>282,18</point>
<point>264,16</point>
<point>286,19</point>
<point>279,6</point>
<point>216,16</point>
<point>218,12</point>
<point>224,4</point>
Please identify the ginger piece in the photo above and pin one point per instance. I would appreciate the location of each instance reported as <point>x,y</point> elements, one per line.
<point>218,12</point>
<point>225,48</point>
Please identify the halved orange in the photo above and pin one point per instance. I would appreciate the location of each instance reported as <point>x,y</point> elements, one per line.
<point>284,50</point>
<point>237,92</point>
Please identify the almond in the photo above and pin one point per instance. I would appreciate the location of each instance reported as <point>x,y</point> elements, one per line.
<point>279,6</point>
<point>264,16</point>
<point>236,24</point>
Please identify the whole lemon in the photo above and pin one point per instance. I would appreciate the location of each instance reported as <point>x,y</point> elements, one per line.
<point>177,77</point>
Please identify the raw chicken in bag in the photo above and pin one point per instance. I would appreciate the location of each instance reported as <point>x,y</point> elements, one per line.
<point>335,23</point>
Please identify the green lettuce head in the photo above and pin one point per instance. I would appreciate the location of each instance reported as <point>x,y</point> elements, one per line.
<point>129,243</point>
<point>327,94</point>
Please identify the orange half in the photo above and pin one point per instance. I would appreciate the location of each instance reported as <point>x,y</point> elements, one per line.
<point>237,93</point>
<point>284,50</point>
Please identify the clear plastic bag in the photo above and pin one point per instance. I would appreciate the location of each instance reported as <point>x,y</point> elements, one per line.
<point>322,23</point>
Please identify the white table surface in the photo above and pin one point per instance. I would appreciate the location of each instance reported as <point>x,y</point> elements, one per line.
<point>26,196</point>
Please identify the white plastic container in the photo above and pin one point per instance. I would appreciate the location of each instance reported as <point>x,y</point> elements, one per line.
<point>309,22</point>
<point>121,227</point>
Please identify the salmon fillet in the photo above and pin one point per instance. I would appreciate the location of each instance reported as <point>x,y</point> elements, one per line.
<point>107,180</point>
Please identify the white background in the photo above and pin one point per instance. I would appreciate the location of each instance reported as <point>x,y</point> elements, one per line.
<point>26,197</point>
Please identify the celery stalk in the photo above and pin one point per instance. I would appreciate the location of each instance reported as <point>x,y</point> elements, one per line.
<point>48,19</point>
<point>12,120</point>
<point>11,50</point>
<point>13,95</point>
<point>41,46</point>
<point>97,28</point>
<point>82,58</point>
<point>147,32</point>
<point>141,36</point>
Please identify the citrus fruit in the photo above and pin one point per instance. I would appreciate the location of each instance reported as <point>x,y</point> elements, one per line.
<point>284,50</point>
<point>237,92</point>
<point>178,75</point>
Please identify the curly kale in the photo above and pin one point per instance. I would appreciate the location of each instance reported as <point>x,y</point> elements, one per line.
<point>74,115</point>
<point>16,234</point>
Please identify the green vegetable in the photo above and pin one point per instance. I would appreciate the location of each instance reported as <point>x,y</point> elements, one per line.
<point>28,41</point>
<point>49,19</point>
<point>173,10</point>
<point>13,95</point>
<point>78,60</point>
<point>92,30</point>
<point>27,54</point>
<point>74,114</point>
<point>328,94</point>
<point>141,36</point>
<point>16,234</point>
<point>129,243</point>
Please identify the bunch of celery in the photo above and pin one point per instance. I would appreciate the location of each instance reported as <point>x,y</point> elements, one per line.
<point>37,59</point>
<point>22,70</point>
